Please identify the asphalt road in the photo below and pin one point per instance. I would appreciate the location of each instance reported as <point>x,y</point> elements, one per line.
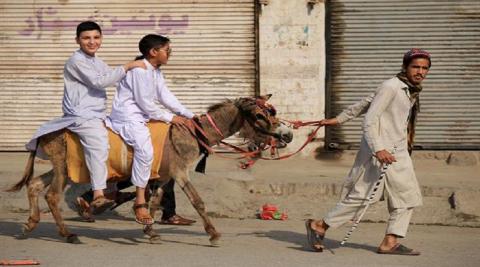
<point>118,241</point>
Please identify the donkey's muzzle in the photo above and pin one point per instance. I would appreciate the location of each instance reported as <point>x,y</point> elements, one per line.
<point>286,137</point>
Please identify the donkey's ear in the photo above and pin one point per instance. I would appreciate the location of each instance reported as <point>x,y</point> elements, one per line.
<point>265,97</point>
<point>247,104</point>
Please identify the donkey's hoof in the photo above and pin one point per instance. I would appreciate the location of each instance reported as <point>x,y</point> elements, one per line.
<point>21,237</point>
<point>215,240</point>
<point>148,230</point>
<point>215,243</point>
<point>73,239</point>
<point>25,231</point>
<point>155,239</point>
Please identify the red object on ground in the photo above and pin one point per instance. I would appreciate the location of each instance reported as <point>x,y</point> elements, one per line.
<point>19,262</point>
<point>266,215</point>
<point>269,207</point>
<point>270,212</point>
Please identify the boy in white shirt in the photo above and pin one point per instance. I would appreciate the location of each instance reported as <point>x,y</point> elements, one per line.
<point>85,79</point>
<point>134,105</point>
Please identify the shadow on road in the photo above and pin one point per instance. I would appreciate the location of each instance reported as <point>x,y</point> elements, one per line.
<point>48,231</point>
<point>300,240</point>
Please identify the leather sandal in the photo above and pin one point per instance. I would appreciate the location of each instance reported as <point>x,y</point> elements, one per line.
<point>177,220</point>
<point>145,219</point>
<point>399,249</point>
<point>315,240</point>
<point>101,204</point>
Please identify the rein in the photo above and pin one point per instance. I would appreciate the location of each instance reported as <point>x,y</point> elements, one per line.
<point>298,124</point>
<point>257,153</point>
<point>295,125</point>
<point>207,147</point>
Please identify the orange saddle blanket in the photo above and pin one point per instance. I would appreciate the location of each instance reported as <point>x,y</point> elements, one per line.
<point>120,155</point>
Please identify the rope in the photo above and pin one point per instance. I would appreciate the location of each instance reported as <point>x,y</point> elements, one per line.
<point>257,153</point>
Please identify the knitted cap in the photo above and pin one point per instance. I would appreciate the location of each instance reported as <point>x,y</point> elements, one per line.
<point>415,53</point>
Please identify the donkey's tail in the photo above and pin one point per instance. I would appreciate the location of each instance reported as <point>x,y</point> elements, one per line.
<point>27,174</point>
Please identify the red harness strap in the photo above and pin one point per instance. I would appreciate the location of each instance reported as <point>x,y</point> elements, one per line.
<point>252,154</point>
<point>196,126</point>
<point>296,125</point>
<point>210,119</point>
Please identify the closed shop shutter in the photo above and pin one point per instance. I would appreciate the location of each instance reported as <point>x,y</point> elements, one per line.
<point>367,40</point>
<point>213,55</point>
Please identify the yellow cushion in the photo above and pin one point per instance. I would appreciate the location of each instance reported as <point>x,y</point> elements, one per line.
<point>119,157</point>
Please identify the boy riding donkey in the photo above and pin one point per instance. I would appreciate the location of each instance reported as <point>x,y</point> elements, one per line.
<point>84,103</point>
<point>135,104</point>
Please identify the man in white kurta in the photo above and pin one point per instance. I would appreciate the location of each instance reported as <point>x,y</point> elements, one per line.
<point>384,141</point>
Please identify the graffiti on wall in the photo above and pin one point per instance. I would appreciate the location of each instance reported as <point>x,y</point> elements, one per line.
<point>287,35</point>
<point>46,19</point>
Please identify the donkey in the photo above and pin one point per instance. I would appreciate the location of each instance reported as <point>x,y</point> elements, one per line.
<point>253,117</point>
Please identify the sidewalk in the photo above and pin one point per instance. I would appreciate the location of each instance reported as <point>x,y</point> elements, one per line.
<point>302,186</point>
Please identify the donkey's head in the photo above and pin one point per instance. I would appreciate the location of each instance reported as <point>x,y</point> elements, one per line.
<point>261,125</point>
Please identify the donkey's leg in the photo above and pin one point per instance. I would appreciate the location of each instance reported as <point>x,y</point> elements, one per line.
<point>54,193</point>
<point>157,184</point>
<point>154,205</point>
<point>156,197</point>
<point>199,206</point>
<point>34,187</point>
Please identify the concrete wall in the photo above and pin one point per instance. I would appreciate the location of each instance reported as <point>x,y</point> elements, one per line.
<point>292,61</point>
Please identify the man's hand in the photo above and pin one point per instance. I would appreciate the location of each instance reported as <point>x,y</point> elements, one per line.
<point>385,157</point>
<point>135,64</point>
<point>179,120</point>
<point>329,122</point>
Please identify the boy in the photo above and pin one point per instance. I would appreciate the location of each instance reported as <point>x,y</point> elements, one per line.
<point>134,105</point>
<point>85,79</point>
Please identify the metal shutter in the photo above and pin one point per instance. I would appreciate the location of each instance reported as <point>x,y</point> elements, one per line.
<point>367,40</point>
<point>213,55</point>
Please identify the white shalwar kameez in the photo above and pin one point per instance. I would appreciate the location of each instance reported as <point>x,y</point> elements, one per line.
<point>384,127</point>
<point>84,97</point>
<point>133,106</point>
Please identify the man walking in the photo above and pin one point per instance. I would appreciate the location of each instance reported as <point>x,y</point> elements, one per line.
<point>388,130</point>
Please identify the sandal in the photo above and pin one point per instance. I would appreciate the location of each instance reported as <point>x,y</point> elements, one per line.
<point>145,219</point>
<point>123,197</point>
<point>101,204</point>
<point>177,220</point>
<point>83,210</point>
<point>399,249</point>
<point>315,240</point>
